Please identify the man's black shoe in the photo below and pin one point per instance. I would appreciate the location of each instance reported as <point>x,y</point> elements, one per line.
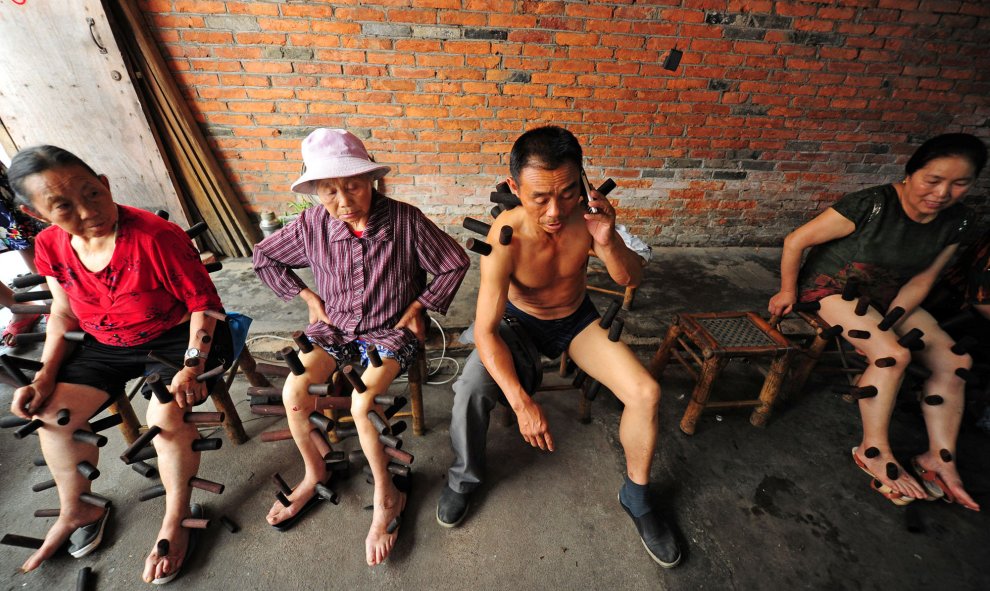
<point>452,507</point>
<point>657,538</point>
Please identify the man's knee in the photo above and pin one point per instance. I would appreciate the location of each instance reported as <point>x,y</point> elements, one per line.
<point>475,381</point>
<point>645,396</point>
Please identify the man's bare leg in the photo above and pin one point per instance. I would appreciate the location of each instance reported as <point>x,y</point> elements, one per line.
<point>299,403</point>
<point>63,454</point>
<point>177,463</point>
<point>388,502</point>
<point>616,367</point>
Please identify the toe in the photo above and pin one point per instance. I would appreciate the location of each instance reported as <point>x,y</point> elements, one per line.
<point>963,498</point>
<point>163,568</point>
<point>369,552</point>
<point>54,540</point>
<point>150,566</point>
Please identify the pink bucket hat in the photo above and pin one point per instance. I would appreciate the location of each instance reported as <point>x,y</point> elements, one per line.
<point>333,154</point>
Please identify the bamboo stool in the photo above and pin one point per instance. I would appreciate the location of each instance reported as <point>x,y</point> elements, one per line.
<point>507,417</point>
<point>131,426</point>
<point>807,353</point>
<point>710,340</point>
<point>628,293</point>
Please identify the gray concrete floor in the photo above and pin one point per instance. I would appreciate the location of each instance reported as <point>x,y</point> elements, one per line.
<point>766,508</point>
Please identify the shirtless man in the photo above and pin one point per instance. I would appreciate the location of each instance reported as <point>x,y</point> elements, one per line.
<point>538,283</point>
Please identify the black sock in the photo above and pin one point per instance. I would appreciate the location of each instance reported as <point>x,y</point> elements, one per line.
<point>635,497</point>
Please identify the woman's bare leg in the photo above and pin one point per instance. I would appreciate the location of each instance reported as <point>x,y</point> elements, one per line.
<point>949,390</point>
<point>299,403</point>
<point>63,454</point>
<point>874,448</point>
<point>388,501</point>
<point>177,463</point>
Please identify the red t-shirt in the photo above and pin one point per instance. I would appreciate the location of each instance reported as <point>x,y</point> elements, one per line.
<point>154,278</point>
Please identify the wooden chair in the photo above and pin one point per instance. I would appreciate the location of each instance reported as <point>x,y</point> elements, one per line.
<point>710,341</point>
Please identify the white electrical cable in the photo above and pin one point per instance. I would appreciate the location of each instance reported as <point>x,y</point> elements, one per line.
<point>443,357</point>
<point>267,336</point>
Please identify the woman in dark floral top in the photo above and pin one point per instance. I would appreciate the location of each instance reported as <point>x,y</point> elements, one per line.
<point>17,231</point>
<point>892,242</point>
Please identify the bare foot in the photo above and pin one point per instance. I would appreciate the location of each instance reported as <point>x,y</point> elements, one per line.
<point>301,495</point>
<point>388,507</point>
<point>949,475</point>
<point>904,484</point>
<point>155,566</point>
<point>60,532</point>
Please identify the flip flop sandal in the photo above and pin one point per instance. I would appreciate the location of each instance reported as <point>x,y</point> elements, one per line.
<point>880,487</point>
<point>889,493</point>
<point>24,325</point>
<point>196,512</point>
<point>287,524</point>
<point>88,537</point>
<point>933,483</point>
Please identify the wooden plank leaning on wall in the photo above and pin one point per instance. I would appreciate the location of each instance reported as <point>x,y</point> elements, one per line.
<point>199,176</point>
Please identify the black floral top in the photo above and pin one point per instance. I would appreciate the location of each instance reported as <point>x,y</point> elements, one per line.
<point>884,252</point>
<point>17,229</point>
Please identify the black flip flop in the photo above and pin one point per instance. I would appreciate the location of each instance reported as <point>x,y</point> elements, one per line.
<point>287,524</point>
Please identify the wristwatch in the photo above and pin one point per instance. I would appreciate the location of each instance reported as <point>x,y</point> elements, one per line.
<point>192,357</point>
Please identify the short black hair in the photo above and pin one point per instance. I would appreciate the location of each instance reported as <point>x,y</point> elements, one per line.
<point>548,147</point>
<point>964,145</point>
<point>35,160</point>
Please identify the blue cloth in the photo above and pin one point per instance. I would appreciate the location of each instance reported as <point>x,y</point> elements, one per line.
<point>239,325</point>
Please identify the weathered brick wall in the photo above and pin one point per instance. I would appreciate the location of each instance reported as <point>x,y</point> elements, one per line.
<point>777,107</point>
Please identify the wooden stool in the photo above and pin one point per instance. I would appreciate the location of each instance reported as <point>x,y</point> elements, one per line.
<point>627,293</point>
<point>711,340</point>
<point>807,352</point>
<point>131,426</point>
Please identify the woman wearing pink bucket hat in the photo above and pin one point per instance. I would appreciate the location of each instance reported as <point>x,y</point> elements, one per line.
<point>370,256</point>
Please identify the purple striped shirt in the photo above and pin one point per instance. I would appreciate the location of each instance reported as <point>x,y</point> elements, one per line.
<point>366,283</point>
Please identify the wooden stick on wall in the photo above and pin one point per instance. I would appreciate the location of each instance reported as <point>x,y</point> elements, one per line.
<point>200,178</point>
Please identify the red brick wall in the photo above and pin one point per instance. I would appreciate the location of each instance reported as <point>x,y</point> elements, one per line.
<point>776,109</point>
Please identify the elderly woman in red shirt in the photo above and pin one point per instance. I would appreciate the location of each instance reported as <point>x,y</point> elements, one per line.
<point>134,284</point>
<point>370,256</point>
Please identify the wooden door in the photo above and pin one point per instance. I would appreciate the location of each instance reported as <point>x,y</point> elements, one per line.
<point>63,81</point>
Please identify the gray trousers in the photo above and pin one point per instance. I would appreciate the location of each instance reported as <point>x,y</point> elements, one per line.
<point>475,396</point>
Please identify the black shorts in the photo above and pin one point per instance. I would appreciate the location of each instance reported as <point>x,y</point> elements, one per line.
<point>109,368</point>
<point>553,337</point>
